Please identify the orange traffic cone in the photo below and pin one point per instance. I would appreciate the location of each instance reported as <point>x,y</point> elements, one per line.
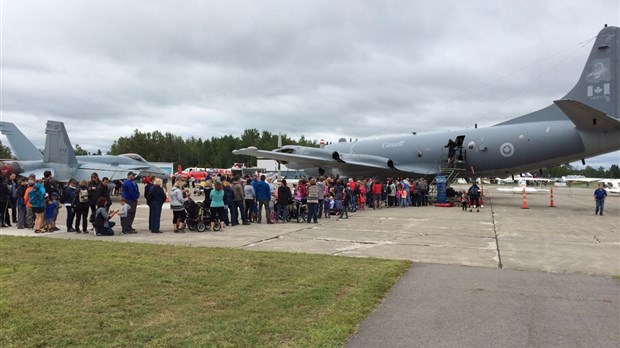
<point>524,206</point>
<point>552,204</point>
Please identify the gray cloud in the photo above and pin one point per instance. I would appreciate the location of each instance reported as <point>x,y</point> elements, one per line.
<point>324,69</point>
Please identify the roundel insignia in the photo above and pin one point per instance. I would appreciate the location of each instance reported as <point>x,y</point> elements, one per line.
<point>507,149</point>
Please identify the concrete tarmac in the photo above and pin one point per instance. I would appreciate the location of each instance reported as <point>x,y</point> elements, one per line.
<point>538,277</point>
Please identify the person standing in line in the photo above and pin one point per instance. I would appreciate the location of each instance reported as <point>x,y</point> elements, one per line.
<point>21,204</point>
<point>217,205</point>
<point>321,186</point>
<point>599,197</point>
<point>93,194</point>
<point>36,197</point>
<point>81,205</point>
<point>131,194</point>
<point>263,195</point>
<point>249,195</point>
<point>238,208</point>
<point>474,196</point>
<point>5,201</point>
<point>313,201</point>
<point>284,198</point>
<point>14,185</point>
<point>178,197</point>
<point>228,201</point>
<point>67,197</point>
<point>155,200</point>
<point>377,190</point>
<point>29,219</point>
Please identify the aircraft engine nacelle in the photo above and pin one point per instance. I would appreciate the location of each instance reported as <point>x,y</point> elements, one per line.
<point>311,151</point>
<point>376,161</point>
<point>9,167</point>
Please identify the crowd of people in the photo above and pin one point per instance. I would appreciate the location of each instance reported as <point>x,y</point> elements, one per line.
<point>34,203</point>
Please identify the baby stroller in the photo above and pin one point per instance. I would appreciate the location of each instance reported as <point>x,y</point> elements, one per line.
<point>297,211</point>
<point>198,216</point>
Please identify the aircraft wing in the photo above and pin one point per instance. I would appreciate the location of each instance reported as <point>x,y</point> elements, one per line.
<point>113,172</point>
<point>300,159</point>
<point>307,157</point>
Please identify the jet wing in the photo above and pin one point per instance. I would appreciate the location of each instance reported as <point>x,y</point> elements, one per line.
<point>303,160</point>
<point>113,172</point>
<point>350,163</point>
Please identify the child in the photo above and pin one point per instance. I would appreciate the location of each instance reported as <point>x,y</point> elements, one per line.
<point>463,200</point>
<point>50,212</point>
<point>122,212</point>
<point>329,202</point>
<point>362,198</point>
<point>58,206</point>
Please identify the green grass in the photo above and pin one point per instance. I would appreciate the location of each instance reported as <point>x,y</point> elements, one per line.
<point>99,294</point>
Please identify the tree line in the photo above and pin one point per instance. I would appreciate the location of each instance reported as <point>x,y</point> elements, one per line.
<point>215,152</point>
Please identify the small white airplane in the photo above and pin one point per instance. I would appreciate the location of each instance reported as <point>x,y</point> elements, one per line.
<point>523,186</point>
<point>611,185</point>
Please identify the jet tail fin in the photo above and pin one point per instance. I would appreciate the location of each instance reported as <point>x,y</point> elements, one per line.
<point>598,86</point>
<point>58,147</point>
<point>23,149</point>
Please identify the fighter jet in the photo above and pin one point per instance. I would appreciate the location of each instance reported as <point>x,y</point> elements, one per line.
<point>59,158</point>
<point>585,123</point>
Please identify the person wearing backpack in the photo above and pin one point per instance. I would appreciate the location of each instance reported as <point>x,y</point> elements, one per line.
<point>81,206</point>
<point>474,196</point>
<point>36,197</point>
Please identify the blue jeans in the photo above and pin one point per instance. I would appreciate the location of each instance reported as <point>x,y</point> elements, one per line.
<point>260,211</point>
<point>313,209</point>
<point>282,211</point>
<point>600,204</point>
<point>155,217</point>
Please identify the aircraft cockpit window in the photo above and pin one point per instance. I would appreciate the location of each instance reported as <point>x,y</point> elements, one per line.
<point>134,156</point>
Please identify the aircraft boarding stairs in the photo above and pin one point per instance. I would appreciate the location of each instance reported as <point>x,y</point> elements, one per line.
<point>450,170</point>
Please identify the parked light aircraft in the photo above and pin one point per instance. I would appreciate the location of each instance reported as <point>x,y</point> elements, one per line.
<point>59,158</point>
<point>585,123</point>
<point>522,186</point>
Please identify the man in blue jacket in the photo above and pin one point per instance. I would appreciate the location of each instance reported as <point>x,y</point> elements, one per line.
<point>599,196</point>
<point>131,195</point>
<point>263,195</point>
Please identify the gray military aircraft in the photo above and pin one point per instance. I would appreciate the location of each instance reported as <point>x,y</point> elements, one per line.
<point>585,123</point>
<point>59,158</point>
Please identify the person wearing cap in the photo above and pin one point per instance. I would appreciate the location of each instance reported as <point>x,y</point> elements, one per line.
<point>131,194</point>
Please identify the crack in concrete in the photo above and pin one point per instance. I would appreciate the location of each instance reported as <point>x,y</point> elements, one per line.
<point>499,255</point>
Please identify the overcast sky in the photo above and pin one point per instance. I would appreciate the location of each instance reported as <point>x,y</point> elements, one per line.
<point>324,69</point>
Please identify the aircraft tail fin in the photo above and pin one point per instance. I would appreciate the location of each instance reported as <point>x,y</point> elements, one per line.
<point>58,147</point>
<point>23,149</point>
<point>598,87</point>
